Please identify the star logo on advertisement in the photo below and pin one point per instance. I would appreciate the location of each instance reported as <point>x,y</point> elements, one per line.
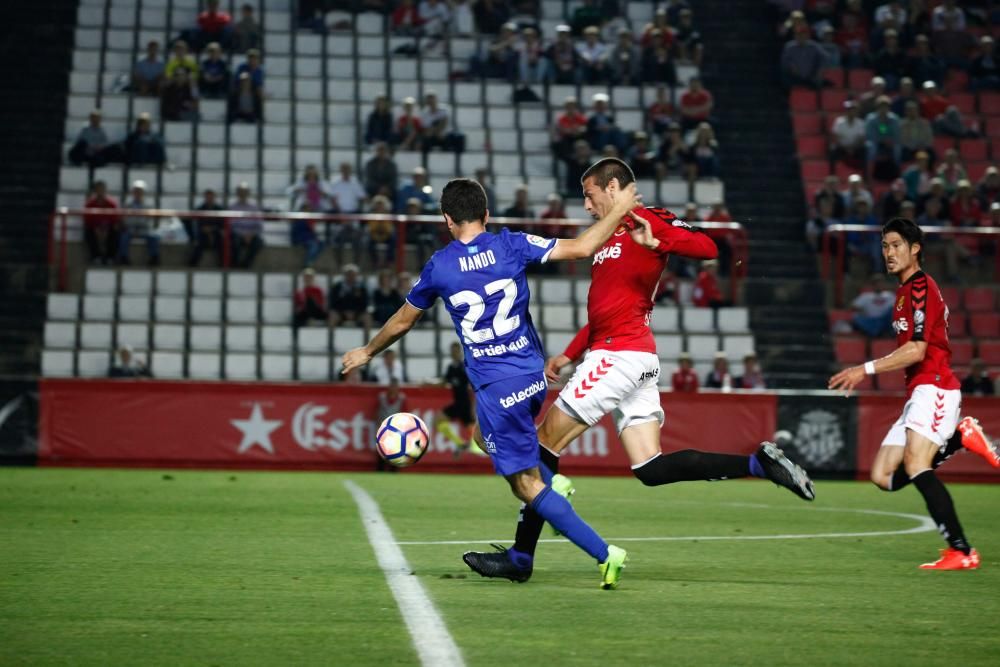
<point>256,430</point>
<point>818,438</point>
<point>489,444</point>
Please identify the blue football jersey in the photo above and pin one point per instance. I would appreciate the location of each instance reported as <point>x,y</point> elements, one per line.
<point>483,286</point>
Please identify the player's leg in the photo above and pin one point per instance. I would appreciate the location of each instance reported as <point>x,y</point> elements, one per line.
<point>969,435</point>
<point>888,461</point>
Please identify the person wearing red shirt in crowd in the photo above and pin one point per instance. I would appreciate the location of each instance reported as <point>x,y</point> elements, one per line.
<point>406,19</point>
<point>409,128</point>
<point>929,429</point>
<point>570,126</point>
<point>621,372</point>
<point>661,112</point>
<point>706,287</point>
<point>932,102</point>
<point>684,378</point>
<point>213,26</point>
<point>658,32</point>
<point>696,104</point>
<point>101,231</point>
<point>556,210</point>
<point>310,301</point>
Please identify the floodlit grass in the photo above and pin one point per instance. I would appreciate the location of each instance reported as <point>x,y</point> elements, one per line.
<point>102,567</point>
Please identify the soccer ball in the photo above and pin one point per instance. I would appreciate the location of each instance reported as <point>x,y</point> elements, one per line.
<point>402,439</point>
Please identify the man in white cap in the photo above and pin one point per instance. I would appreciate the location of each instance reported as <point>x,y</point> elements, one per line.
<point>138,226</point>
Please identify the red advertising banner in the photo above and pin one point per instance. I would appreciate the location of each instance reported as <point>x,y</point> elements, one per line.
<point>876,414</point>
<point>267,425</point>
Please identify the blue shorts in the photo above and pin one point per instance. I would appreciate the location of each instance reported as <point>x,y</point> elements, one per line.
<point>507,410</point>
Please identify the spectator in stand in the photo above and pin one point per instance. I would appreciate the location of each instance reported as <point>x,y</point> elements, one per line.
<point>831,190</point>
<point>641,156</point>
<point>660,31</point>
<point>937,193</point>
<point>830,48</point>
<point>128,365</point>
<point>350,196</point>
<point>245,233</point>
<point>891,203</point>
<point>818,224</point>
<point>387,369</point>
<point>563,58</point>
<point>381,233</point>
<point>953,44</point>
<point>703,155</point>
<point>303,233</point>
<point>310,301</point>
<point>379,126</point>
<point>978,382</point>
<point>463,23</point>
<point>312,191</point>
<point>672,157</point>
<point>214,77</point>
<point>796,22</point>
<point>852,37</point>
<point>570,126</point>
<point>689,46</point>
<point>951,171</point>
<point>434,17</point>
<point>245,102</point>
<point>706,288</point>
<point>483,178</point>
<point>205,232</point>
<point>883,142</point>
<point>254,69</point>
<point>907,93</point>
<point>601,128</point>
<point>873,308</point>
<point>99,231</point>
<point>918,176</point>
<point>556,210</point>
<point>915,133</point>
<point>92,146</point>
<point>575,166</point>
<point>386,298</point>
<point>660,114</point>
<point>138,226</point>
<point>988,188</point>
<point>657,65</point>
<point>933,104</point>
<point>802,61</point>
<point>405,19</point>
<point>381,173</point>
<point>965,208</point>
<point>417,188</point>
<point>142,145</point>
<point>719,377</point>
<point>213,26</point>
<point>684,378</point>
<point>865,246</point>
<point>490,15</point>
<point>147,73</point>
<point>587,15</point>
<point>424,235</point>
<point>892,14</point>
<point>521,208</point>
<point>533,65</point>
<point>696,105</point>
<point>593,55</point>
<point>434,119</point>
<point>177,101</point>
<point>349,300</point>
<point>409,127</point>
<point>984,73</point>
<point>500,61</point>
<point>855,191</point>
<point>847,137</point>
<point>752,378</point>
<point>246,32</point>
<point>948,16</point>
<point>624,60</point>
<point>719,213</point>
<point>181,58</point>
<point>924,65</point>
<point>891,63</point>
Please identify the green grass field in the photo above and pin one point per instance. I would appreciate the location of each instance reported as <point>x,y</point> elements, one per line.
<point>103,567</point>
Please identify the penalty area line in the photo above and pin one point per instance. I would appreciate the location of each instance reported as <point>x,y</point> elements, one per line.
<point>435,645</point>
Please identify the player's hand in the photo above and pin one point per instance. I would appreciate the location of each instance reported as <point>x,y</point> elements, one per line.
<point>555,364</point>
<point>625,200</point>
<point>355,358</point>
<point>847,379</point>
<point>641,232</point>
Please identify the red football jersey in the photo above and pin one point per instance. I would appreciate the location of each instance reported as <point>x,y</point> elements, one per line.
<point>624,276</point>
<point>920,314</point>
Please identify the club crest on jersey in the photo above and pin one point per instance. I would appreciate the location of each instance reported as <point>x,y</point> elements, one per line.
<point>608,252</point>
<point>901,302</point>
<point>537,240</point>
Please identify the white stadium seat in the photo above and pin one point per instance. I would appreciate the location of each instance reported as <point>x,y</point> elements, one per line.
<point>314,367</point>
<point>276,367</point>
<point>98,308</point>
<point>420,342</point>
<point>206,283</point>
<point>204,365</point>
<point>315,339</point>
<point>101,281</point>
<point>133,308</point>
<point>556,291</point>
<point>167,365</point>
<point>93,363</point>
<point>95,335</point>
<point>664,319</point>
<point>207,337</point>
<point>556,341</point>
<point>136,282</point>
<point>241,310</point>
<point>559,317</point>
<point>136,335</point>
<point>170,309</point>
<point>241,338</point>
<point>669,347</point>
<point>63,306</point>
<point>60,334</point>
<point>168,336</point>
<point>734,320</point>
<point>276,311</point>
<point>57,363</point>
<point>277,285</point>
<point>171,283</point>
<point>347,338</point>
<point>702,348</point>
<point>276,339</point>
<point>699,320</point>
<point>241,366</point>
<point>738,346</point>
<point>421,369</point>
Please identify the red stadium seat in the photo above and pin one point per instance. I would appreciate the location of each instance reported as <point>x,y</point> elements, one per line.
<point>961,351</point>
<point>809,124</point>
<point>952,297</point>
<point>957,81</point>
<point>989,104</point>
<point>850,349</point>
<point>859,80</point>
<point>989,351</point>
<point>842,315</point>
<point>973,150</point>
<point>882,346</point>
<point>843,171</point>
<point>802,99</point>
<point>966,102</point>
<point>892,382</point>
<point>992,129</point>
<point>815,170</point>
<point>833,99</point>
<point>984,325</point>
<point>975,170</point>
<point>942,144</point>
<point>979,299</point>
<point>811,147</point>
<point>809,189</point>
<point>835,77</point>
<point>957,324</point>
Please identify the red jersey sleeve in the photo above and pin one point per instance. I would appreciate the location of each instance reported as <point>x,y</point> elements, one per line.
<point>677,237</point>
<point>927,312</point>
<point>579,344</point>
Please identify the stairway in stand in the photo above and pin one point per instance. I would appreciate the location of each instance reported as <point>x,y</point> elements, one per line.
<point>37,49</point>
<point>764,191</point>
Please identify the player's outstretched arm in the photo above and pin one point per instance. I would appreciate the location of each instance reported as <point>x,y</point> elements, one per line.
<point>673,236</point>
<point>907,354</point>
<point>397,326</point>
<point>594,236</point>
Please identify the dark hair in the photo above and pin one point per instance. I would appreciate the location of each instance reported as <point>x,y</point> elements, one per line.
<point>464,200</point>
<point>910,232</point>
<point>606,169</point>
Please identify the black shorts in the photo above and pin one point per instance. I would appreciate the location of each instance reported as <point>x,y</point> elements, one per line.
<point>460,410</point>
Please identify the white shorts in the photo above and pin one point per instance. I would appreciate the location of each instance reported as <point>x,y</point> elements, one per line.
<point>931,412</point>
<point>623,382</point>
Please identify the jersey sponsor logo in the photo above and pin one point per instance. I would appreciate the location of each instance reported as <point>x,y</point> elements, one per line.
<point>918,317</point>
<point>478,261</point>
<point>501,348</point>
<point>608,252</point>
<point>649,375</point>
<point>537,240</point>
<point>681,223</point>
<point>523,395</point>
<point>472,249</point>
<point>900,325</point>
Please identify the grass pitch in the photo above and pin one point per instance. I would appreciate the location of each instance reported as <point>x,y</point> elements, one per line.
<point>102,567</point>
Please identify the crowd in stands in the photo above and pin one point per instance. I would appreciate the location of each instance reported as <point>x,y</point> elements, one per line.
<point>684,379</point>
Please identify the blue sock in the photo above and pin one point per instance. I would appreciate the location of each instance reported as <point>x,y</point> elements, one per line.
<point>521,559</point>
<point>546,474</point>
<point>755,469</point>
<point>557,511</point>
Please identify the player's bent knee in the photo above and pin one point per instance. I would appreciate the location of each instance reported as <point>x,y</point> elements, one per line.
<point>653,472</point>
<point>881,481</point>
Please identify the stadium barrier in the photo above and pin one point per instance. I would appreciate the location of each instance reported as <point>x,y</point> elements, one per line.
<point>834,248</point>
<point>732,233</point>
<point>153,423</point>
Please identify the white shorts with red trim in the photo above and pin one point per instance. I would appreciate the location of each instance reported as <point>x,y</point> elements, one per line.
<point>621,382</point>
<point>932,412</point>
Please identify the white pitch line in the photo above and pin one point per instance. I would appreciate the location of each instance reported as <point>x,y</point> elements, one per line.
<point>924,525</point>
<point>435,645</point>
